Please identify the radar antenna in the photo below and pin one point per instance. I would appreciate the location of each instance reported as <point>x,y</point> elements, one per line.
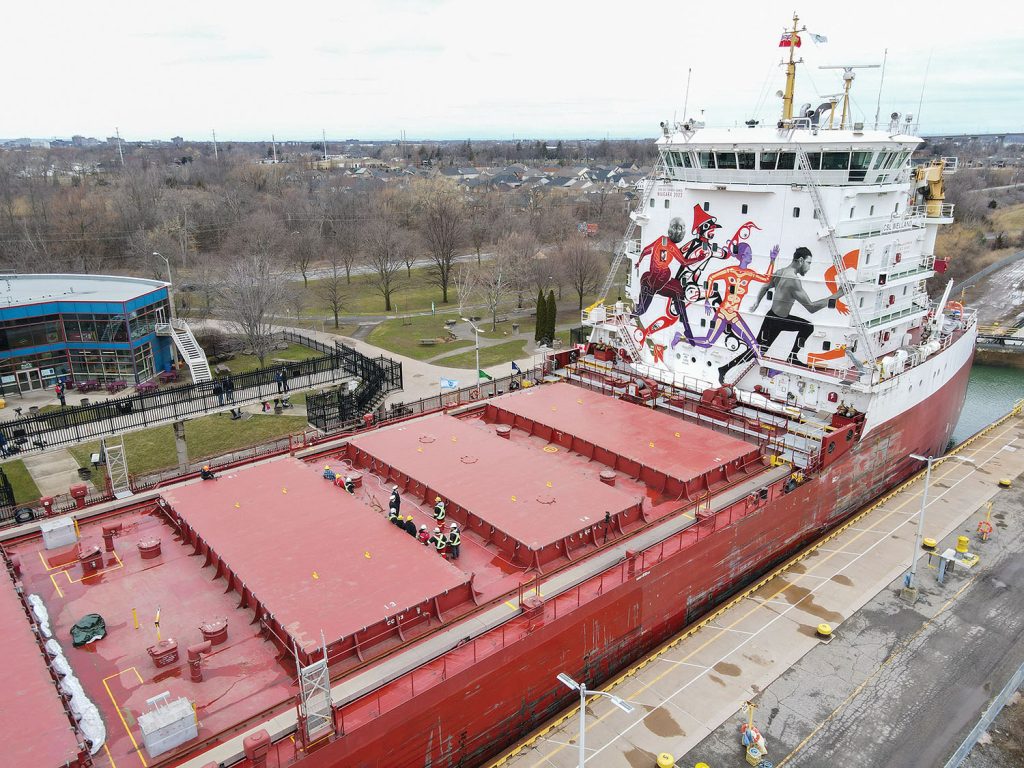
<point>848,75</point>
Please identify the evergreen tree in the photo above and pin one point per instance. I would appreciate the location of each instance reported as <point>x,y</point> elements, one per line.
<point>542,316</point>
<point>552,315</point>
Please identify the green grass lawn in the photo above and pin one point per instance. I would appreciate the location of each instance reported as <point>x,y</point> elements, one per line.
<point>243,363</point>
<point>25,488</point>
<point>153,449</point>
<point>492,355</point>
<point>414,294</point>
<point>402,336</point>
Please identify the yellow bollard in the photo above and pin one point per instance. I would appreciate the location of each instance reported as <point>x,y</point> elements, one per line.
<point>135,618</point>
<point>1004,482</point>
<point>665,760</point>
<point>962,544</point>
<point>929,544</point>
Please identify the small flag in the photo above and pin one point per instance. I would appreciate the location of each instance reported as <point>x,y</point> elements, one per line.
<point>787,41</point>
<point>515,368</point>
<point>449,383</point>
<point>481,374</point>
<point>818,38</point>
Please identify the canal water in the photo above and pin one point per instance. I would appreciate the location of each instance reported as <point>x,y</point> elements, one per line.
<point>992,392</point>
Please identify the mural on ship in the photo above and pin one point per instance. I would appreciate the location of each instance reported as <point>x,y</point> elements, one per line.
<point>714,280</point>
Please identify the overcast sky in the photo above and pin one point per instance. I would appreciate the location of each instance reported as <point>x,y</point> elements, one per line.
<point>480,69</point>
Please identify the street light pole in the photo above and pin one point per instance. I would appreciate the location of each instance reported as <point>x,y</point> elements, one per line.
<point>924,503</point>
<point>170,281</point>
<point>622,704</point>
<point>476,336</point>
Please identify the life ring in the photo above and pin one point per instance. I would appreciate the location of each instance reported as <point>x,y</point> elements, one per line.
<point>984,527</point>
<point>474,394</point>
<point>849,262</point>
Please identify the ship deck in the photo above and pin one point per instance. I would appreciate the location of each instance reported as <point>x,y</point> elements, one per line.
<point>34,727</point>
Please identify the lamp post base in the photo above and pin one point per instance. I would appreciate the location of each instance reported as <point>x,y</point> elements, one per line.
<point>909,594</point>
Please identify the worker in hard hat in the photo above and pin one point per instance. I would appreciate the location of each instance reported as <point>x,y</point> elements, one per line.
<point>350,484</point>
<point>410,526</point>
<point>393,517</point>
<point>439,510</point>
<point>328,472</point>
<point>440,542</point>
<point>423,535</point>
<point>454,540</point>
<point>396,500</point>
<point>206,473</point>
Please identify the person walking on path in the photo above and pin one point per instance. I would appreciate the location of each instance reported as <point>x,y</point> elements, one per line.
<point>218,390</point>
<point>284,379</point>
<point>59,389</point>
<point>229,389</point>
<point>454,540</point>
<point>279,378</point>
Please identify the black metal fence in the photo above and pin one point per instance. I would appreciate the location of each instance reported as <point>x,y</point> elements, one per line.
<point>74,424</point>
<point>333,410</point>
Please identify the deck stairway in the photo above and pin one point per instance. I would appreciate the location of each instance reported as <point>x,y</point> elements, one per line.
<point>188,347</point>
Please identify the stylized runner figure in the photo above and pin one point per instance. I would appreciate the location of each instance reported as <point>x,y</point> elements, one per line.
<point>736,282</point>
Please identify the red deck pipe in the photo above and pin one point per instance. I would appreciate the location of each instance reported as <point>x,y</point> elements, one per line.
<point>109,532</point>
<point>195,660</point>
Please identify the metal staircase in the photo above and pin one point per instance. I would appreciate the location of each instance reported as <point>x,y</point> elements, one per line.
<point>625,324</point>
<point>837,259</point>
<point>189,348</point>
<point>623,246</point>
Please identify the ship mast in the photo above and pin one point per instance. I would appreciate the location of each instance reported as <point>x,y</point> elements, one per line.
<point>794,41</point>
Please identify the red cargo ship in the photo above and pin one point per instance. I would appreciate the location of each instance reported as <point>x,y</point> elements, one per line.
<point>271,617</point>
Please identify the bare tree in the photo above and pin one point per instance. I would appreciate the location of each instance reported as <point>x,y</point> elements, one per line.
<point>465,281</point>
<point>517,252</point>
<point>384,253</point>
<point>346,212</point>
<point>304,247</point>
<point>254,287</point>
<point>580,265</point>
<point>332,287</point>
<point>442,224</point>
<point>496,285</point>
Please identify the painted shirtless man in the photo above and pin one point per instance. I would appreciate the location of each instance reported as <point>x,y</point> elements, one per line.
<point>788,288</point>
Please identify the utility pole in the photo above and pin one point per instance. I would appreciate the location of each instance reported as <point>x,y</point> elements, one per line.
<point>323,136</point>
<point>273,143</point>
<point>216,158</point>
<point>117,132</point>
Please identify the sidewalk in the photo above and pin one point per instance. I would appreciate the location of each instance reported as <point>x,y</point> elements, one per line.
<point>54,472</point>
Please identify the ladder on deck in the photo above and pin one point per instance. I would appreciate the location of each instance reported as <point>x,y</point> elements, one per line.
<point>625,326</point>
<point>623,246</point>
<point>837,259</point>
<point>189,348</point>
<point>117,466</point>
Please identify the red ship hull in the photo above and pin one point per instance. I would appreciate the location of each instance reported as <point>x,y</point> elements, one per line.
<point>464,717</point>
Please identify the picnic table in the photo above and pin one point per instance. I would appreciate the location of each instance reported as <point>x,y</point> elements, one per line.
<point>146,386</point>
<point>168,376</point>
<point>116,386</point>
<point>92,385</point>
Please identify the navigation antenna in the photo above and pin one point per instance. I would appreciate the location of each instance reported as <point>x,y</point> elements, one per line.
<point>848,76</point>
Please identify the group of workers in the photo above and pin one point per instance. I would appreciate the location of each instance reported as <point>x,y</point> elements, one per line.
<point>447,544</point>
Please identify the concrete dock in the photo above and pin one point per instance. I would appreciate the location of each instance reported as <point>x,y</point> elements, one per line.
<point>898,683</point>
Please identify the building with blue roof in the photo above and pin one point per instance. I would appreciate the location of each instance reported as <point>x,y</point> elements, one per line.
<point>81,327</point>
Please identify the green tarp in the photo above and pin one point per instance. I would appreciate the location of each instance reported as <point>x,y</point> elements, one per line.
<point>88,628</point>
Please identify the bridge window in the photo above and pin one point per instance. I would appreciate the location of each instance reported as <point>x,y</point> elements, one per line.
<point>745,161</point>
<point>687,162</point>
<point>768,160</point>
<point>814,160</point>
<point>860,161</point>
<point>706,159</point>
<point>787,161</point>
<point>835,161</point>
<point>726,160</point>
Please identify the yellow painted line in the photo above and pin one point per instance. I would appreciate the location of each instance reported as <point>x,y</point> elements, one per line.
<point>89,576</point>
<point>120,714</point>
<point>110,757</point>
<point>61,594</point>
<point>780,570</point>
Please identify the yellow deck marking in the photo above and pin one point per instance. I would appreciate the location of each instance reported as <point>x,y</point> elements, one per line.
<point>110,757</point>
<point>61,594</point>
<point>120,714</point>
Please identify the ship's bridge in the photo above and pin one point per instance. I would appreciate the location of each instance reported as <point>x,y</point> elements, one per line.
<point>768,156</point>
